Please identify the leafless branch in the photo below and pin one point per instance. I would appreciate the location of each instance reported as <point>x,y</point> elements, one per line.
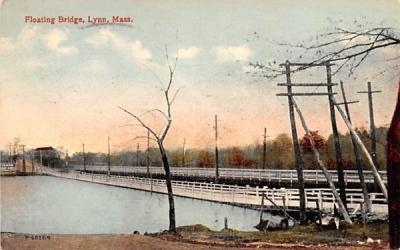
<point>167,115</point>
<point>154,74</point>
<point>347,48</point>
<point>140,121</point>
<point>358,51</point>
<point>129,125</point>
<point>155,110</point>
<point>175,94</point>
<point>145,137</point>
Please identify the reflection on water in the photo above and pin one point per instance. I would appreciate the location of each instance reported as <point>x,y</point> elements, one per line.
<point>41,204</point>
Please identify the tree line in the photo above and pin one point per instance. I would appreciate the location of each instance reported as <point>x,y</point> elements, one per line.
<point>279,154</point>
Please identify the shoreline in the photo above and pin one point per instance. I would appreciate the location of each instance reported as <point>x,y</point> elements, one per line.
<point>201,237</point>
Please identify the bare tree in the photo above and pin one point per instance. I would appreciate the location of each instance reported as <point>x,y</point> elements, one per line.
<point>351,48</point>
<point>347,48</point>
<point>159,138</point>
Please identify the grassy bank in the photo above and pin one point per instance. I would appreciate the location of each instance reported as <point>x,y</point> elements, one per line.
<point>306,234</point>
<point>201,237</point>
<point>312,235</point>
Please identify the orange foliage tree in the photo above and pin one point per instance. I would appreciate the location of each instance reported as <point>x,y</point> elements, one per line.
<point>318,140</point>
<point>237,158</point>
<point>206,159</point>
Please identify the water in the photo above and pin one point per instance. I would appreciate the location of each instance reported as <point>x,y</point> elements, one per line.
<point>42,204</point>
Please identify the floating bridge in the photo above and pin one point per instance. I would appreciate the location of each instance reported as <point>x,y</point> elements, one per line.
<point>262,177</point>
<point>230,194</point>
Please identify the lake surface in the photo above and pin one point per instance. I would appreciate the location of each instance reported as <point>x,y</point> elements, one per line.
<point>42,204</point>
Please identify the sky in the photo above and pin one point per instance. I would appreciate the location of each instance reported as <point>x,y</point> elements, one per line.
<point>61,84</point>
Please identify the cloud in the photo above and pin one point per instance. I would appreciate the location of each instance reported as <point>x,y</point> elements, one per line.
<point>6,46</point>
<point>30,36</point>
<point>54,39</point>
<point>139,53</point>
<point>104,37</point>
<point>188,53</point>
<point>233,53</point>
<point>27,36</point>
<point>23,45</point>
<point>25,39</point>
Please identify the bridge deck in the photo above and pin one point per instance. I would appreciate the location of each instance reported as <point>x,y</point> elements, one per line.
<point>261,177</point>
<point>228,193</point>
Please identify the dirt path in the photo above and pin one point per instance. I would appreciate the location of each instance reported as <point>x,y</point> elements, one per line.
<point>116,242</point>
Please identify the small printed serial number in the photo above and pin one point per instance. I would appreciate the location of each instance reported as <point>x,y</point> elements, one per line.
<point>37,237</point>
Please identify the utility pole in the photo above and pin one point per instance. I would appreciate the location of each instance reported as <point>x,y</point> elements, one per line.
<point>357,155</point>
<point>364,150</point>
<point>11,160</point>
<point>41,157</point>
<point>148,154</point>
<point>216,151</point>
<point>299,162</point>
<point>264,149</point>
<point>84,158</point>
<point>137,154</point>
<point>66,158</point>
<point>109,158</point>
<point>32,161</point>
<point>23,159</point>
<point>338,150</point>
<point>183,152</point>
<point>328,177</point>
<point>372,121</point>
<point>14,157</point>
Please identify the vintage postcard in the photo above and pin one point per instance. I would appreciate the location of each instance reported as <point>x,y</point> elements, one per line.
<point>199,124</point>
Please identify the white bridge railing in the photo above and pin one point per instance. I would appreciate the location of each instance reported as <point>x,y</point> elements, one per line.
<point>7,169</point>
<point>6,165</point>
<point>279,175</point>
<point>228,193</point>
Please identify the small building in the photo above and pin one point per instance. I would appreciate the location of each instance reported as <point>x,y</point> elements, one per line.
<point>47,156</point>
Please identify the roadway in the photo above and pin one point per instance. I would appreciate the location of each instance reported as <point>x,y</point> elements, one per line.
<point>241,176</point>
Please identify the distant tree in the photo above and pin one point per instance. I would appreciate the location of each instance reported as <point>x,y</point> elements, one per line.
<point>235,157</point>
<point>305,142</point>
<point>282,152</point>
<point>206,159</point>
<point>176,157</point>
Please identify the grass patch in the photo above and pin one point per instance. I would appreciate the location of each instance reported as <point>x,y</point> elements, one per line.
<point>198,228</point>
<point>310,234</point>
